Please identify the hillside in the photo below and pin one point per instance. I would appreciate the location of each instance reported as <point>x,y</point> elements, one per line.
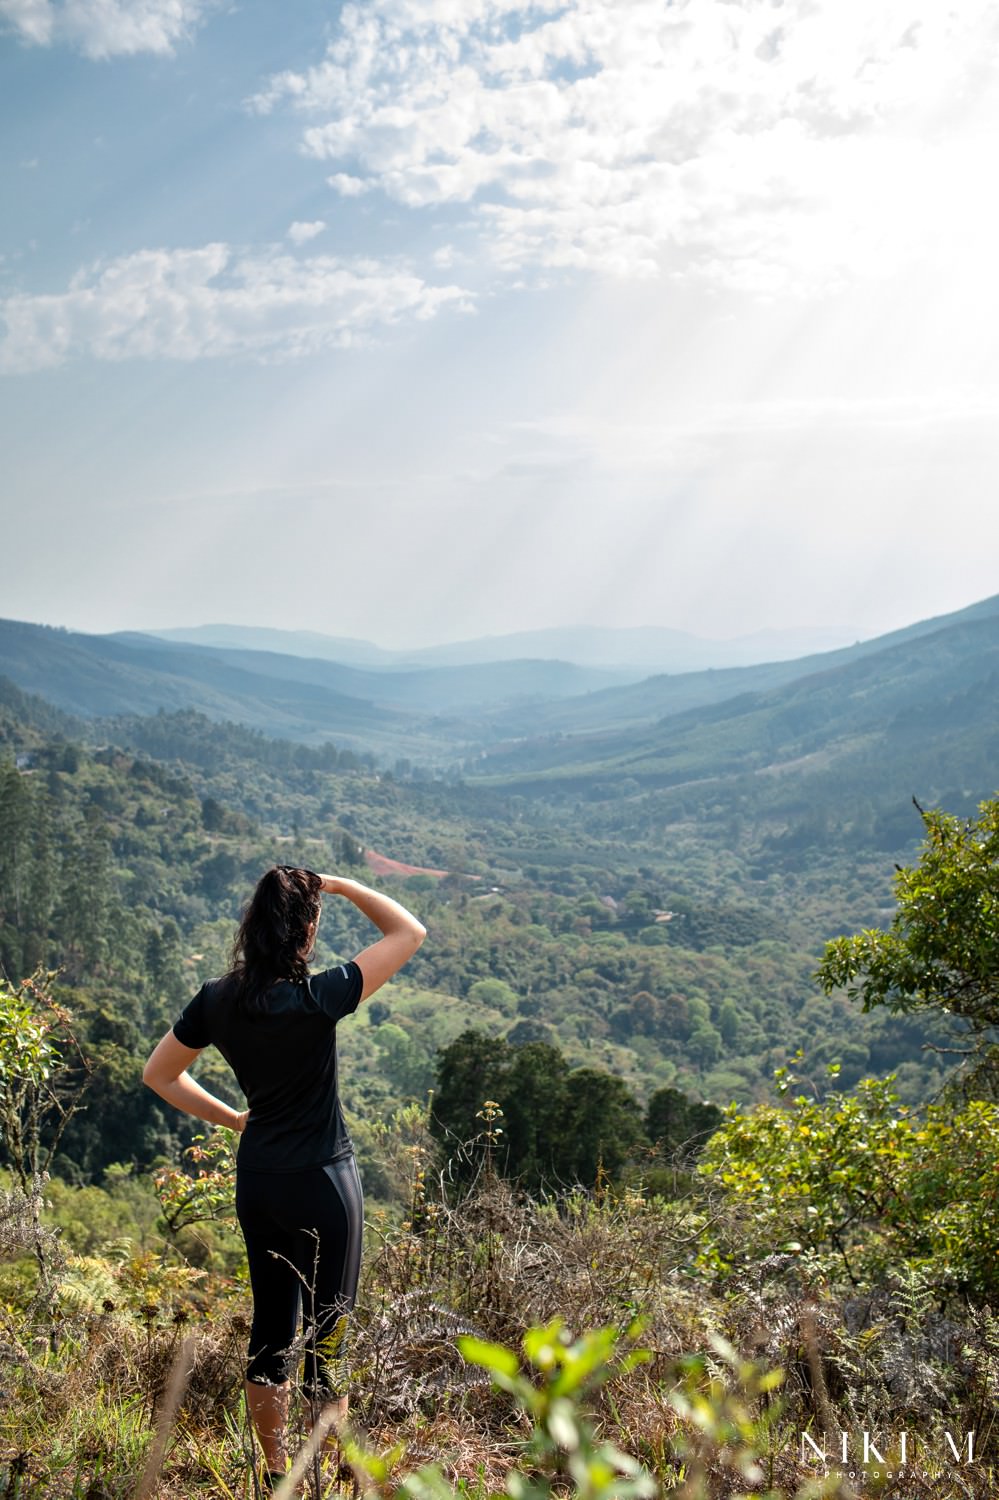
<point>96,677</point>
<point>140,852</point>
<point>663,695</point>
<point>391,711</point>
<point>911,700</point>
<point>565,722</point>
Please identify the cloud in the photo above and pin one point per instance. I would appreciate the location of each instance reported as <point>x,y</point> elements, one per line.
<point>105,28</point>
<point>347,186</point>
<point>300,232</point>
<point>753,144</point>
<point>213,302</point>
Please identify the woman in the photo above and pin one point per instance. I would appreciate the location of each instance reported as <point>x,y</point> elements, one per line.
<point>298,1195</point>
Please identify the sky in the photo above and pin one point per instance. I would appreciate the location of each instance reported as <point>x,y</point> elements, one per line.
<point>420,320</point>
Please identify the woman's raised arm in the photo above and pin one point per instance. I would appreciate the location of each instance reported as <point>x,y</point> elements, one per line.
<point>403,933</point>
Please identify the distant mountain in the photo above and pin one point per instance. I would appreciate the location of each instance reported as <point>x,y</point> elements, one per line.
<point>400,712</point>
<point>650,648</point>
<point>634,652</point>
<point>345,649</point>
<point>922,691</point>
<point>522,719</point>
<point>20,711</point>
<point>97,677</point>
<point>661,696</point>
<point>430,690</point>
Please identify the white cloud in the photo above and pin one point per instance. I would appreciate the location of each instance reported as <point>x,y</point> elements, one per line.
<point>301,232</point>
<point>347,186</point>
<point>213,302</point>
<point>105,28</point>
<point>756,144</point>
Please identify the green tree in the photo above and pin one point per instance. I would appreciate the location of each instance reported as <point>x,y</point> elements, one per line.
<point>213,815</point>
<point>676,1123</point>
<point>940,952</point>
<point>469,1070</point>
<point>42,1075</point>
<point>601,1126</point>
<point>166,981</point>
<point>495,994</point>
<point>534,1093</point>
<point>15,862</point>
<point>559,1125</point>
<point>43,883</point>
<point>405,1062</point>
<point>89,898</point>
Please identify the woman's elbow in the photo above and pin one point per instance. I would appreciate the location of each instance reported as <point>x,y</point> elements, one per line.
<point>155,1076</point>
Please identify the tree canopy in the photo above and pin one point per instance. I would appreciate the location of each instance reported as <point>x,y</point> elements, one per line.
<point>941,949</point>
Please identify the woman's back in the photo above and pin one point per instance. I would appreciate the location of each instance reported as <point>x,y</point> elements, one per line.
<point>283,1053</point>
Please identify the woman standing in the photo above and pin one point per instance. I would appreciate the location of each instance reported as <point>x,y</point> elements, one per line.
<point>298,1195</point>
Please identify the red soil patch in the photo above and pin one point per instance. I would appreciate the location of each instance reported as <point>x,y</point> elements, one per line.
<point>382,865</point>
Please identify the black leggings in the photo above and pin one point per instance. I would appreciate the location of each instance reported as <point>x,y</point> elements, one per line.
<point>303,1245</point>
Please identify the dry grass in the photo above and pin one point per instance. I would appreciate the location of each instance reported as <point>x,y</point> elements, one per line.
<point>82,1400</point>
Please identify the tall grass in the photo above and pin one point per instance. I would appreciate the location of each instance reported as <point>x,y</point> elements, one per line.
<point>128,1393</point>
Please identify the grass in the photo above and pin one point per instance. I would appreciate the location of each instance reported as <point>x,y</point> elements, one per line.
<point>87,1411</point>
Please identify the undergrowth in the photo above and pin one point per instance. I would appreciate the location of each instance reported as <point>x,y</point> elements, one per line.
<point>503,1346</point>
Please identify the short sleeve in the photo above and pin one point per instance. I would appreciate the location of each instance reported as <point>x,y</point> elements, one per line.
<point>338,990</point>
<point>191,1027</point>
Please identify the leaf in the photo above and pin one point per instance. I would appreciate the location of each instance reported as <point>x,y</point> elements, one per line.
<point>493,1357</point>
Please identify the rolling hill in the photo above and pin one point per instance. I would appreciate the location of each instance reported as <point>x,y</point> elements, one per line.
<point>392,712</point>
<point>666,694</point>
<point>912,698</point>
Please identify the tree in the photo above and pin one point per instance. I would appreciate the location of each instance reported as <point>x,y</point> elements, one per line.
<point>940,952</point>
<point>404,1061</point>
<point>42,1078</point>
<point>677,1124</point>
<point>15,861</point>
<point>42,1075</point>
<point>559,1126</point>
<point>495,994</point>
<point>469,1071</point>
<point>88,896</point>
<point>534,1101</point>
<point>213,815</point>
<point>601,1126</point>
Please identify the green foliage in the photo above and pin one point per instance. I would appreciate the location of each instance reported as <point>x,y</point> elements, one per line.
<point>678,1125</point>
<point>495,994</point>
<point>941,950</point>
<point>42,1074</point>
<point>560,1125</point>
<point>859,1183</point>
<point>563,1448</point>
<point>729,1410</point>
<point>205,1191</point>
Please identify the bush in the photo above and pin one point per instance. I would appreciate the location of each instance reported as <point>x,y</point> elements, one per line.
<point>862,1182</point>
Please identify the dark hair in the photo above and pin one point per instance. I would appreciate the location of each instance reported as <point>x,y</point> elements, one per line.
<point>273,937</point>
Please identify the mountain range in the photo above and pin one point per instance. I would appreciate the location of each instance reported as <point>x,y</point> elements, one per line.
<point>550,723</point>
<point>630,652</point>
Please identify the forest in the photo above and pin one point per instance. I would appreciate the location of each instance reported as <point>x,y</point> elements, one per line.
<point>641,1046</point>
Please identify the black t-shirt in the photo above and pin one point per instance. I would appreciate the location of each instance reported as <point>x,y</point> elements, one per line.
<point>284,1059</point>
